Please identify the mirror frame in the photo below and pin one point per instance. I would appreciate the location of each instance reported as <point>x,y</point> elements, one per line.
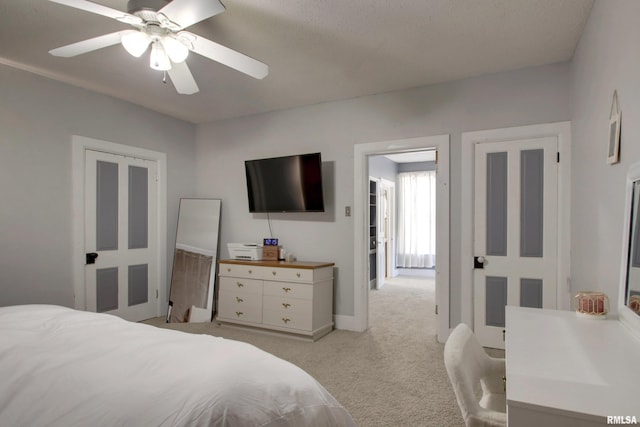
<point>208,244</point>
<point>625,314</point>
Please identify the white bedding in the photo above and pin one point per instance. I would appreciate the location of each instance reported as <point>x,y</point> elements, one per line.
<point>62,367</point>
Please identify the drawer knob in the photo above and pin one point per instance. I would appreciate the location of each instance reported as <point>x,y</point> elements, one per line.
<point>274,273</point>
<point>298,274</point>
<point>286,289</point>
<point>286,320</point>
<point>239,313</point>
<point>238,299</point>
<point>286,305</point>
<point>240,285</point>
<point>250,271</point>
<point>228,269</point>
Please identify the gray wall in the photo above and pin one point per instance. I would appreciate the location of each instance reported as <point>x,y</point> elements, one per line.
<point>37,119</point>
<point>530,96</point>
<point>381,167</point>
<point>416,167</point>
<point>606,60</point>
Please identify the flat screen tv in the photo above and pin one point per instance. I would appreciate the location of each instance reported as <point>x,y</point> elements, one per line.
<point>285,184</point>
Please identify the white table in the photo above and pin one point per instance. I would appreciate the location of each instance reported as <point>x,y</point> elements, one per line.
<point>564,370</point>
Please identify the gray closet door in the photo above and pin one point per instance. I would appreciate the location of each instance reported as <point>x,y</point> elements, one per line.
<point>515,231</point>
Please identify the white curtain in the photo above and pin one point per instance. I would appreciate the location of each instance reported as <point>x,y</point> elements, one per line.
<point>417,219</point>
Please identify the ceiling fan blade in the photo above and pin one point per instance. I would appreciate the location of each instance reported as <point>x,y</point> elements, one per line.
<point>187,12</point>
<point>89,45</point>
<point>182,79</point>
<point>100,10</point>
<point>229,57</point>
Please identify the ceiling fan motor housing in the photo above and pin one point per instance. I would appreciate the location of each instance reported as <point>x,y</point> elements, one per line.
<point>134,6</point>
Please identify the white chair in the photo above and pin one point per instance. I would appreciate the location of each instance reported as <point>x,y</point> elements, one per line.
<point>477,379</point>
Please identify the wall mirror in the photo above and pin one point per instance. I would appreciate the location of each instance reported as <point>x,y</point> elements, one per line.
<point>194,262</point>
<point>629,292</point>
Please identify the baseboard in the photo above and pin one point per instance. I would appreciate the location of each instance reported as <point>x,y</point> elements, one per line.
<point>347,323</point>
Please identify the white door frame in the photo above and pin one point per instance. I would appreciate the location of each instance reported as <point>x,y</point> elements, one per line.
<point>381,254</point>
<point>560,130</point>
<point>376,270</point>
<point>360,226</point>
<point>79,144</point>
<point>390,254</point>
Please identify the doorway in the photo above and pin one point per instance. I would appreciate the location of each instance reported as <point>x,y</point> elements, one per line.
<point>472,143</point>
<point>402,218</point>
<point>143,170</point>
<point>515,223</point>
<point>121,253</point>
<point>362,153</point>
<point>402,228</point>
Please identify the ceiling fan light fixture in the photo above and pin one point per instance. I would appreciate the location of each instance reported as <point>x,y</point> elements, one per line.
<point>135,42</point>
<point>161,24</point>
<point>159,60</point>
<point>176,50</point>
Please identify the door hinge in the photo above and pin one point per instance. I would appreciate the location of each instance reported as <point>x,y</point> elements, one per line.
<point>503,334</point>
<point>436,157</point>
<point>156,294</point>
<point>558,157</point>
<point>436,309</point>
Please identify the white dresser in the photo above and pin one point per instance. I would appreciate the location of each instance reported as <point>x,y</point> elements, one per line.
<point>565,371</point>
<point>293,297</point>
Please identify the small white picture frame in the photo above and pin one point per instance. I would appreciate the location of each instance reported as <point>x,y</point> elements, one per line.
<point>613,155</point>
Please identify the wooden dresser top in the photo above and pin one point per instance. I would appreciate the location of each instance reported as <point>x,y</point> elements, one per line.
<point>281,264</point>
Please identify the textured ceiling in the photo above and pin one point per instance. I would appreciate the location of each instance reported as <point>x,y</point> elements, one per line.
<point>316,50</point>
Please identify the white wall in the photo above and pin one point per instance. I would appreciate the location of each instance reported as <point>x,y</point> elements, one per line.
<point>606,59</point>
<point>530,96</point>
<point>37,119</point>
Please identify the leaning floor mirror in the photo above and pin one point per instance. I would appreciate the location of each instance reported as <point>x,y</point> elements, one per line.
<point>194,263</point>
<point>629,293</point>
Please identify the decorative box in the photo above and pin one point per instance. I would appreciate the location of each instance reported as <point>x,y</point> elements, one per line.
<point>591,304</point>
<point>270,253</point>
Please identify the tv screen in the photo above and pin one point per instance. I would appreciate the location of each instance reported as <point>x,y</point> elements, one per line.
<point>285,184</point>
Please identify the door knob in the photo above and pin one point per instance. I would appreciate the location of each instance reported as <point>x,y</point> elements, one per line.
<point>91,258</point>
<point>478,262</point>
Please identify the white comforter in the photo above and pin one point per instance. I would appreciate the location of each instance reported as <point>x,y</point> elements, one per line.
<point>62,367</point>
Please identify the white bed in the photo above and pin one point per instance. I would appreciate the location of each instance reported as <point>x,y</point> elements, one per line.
<point>62,367</point>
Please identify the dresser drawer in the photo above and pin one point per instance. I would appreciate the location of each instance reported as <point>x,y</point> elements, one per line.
<point>288,274</point>
<point>238,270</point>
<point>239,300</point>
<point>240,285</point>
<point>289,290</point>
<point>239,306</point>
<point>287,305</point>
<point>295,318</point>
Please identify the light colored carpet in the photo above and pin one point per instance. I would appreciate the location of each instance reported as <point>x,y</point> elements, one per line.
<point>391,375</point>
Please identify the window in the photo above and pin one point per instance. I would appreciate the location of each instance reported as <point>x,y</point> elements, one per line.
<point>417,219</point>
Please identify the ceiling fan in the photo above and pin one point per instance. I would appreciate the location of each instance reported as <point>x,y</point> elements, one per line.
<point>160,24</point>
